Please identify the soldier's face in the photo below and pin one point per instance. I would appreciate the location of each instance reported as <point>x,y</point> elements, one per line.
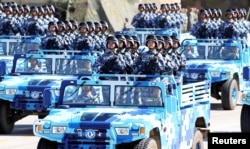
<point>111,45</point>
<point>151,44</point>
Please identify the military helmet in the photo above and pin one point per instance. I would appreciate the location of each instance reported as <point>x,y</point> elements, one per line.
<point>152,37</point>
<point>98,24</point>
<point>83,24</point>
<point>203,11</point>
<point>14,7</point>
<point>136,39</point>
<point>33,8</point>
<point>61,23</point>
<point>26,7</point>
<point>121,37</point>
<point>20,8</point>
<point>40,9</point>
<point>168,39</point>
<point>8,8</point>
<point>69,24</point>
<point>51,23</point>
<point>141,5</point>
<point>91,25</point>
<point>104,23</point>
<point>130,39</point>
<point>74,22</point>
<point>113,39</point>
<point>176,39</point>
<point>160,39</point>
<point>51,7</point>
<point>219,12</point>
<point>229,11</point>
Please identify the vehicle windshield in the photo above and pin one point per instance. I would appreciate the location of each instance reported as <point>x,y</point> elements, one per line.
<point>11,48</point>
<point>212,52</point>
<point>87,95</point>
<point>150,96</point>
<point>73,66</point>
<point>45,65</point>
<point>138,96</point>
<point>33,65</point>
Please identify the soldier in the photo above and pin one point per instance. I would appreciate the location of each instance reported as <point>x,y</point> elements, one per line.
<point>134,49</point>
<point>26,12</point>
<point>83,41</point>
<point>100,40</point>
<point>68,37</point>
<point>43,21</point>
<point>138,20</point>
<point>87,96</point>
<point>52,40</point>
<point>32,24</point>
<point>110,62</point>
<point>230,28</point>
<point>150,62</point>
<point>170,62</point>
<point>104,30</point>
<point>179,59</point>
<point>51,14</point>
<point>203,28</point>
<point>34,66</point>
<point>9,25</point>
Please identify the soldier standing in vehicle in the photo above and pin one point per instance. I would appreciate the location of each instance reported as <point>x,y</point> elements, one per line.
<point>32,24</point>
<point>110,62</point>
<point>203,28</point>
<point>138,20</point>
<point>150,62</point>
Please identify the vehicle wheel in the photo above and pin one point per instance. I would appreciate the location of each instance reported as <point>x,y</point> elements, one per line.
<point>147,143</point>
<point>229,94</point>
<point>46,144</point>
<point>6,121</point>
<point>245,119</point>
<point>198,142</point>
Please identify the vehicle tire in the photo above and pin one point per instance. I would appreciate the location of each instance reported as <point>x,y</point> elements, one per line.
<point>245,119</point>
<point>229,94</point>
<point>147,143</point>
<point>46,144</point>
<point>6,121</point>
<point>198,142</point>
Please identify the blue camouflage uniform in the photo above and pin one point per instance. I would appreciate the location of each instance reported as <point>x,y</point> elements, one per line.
<point>110,62</point>
<point>150,62</point>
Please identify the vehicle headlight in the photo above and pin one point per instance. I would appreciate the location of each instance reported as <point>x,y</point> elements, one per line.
<point>215,74</point>
<point>34,94</point>
<point>122,131</point>
<point>194,75</point>
<point>58,129</point>
<point>10,91</point>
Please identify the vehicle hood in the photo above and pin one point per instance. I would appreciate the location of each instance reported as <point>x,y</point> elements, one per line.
<point>31,80</point>
<point>205,66</point>
<point>86,116</point>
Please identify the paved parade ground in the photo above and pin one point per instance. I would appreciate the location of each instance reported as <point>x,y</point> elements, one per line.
<point>23,138</point>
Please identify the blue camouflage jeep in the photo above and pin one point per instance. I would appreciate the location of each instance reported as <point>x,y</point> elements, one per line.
<point>21,90</point>
<point>223,60</point>
<point>126,111</point>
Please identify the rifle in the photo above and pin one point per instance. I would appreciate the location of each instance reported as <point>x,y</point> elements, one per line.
<point>109,65</point>
<point>150,65</point>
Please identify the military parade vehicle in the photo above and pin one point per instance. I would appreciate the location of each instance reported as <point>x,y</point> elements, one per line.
<point>126,111</point>
<point>245,100</point>
<point>224,60</point>
<point>21,90</point>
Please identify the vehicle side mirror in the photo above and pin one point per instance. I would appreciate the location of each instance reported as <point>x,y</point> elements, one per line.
<point>47,97</point>
<point>2,68</point>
